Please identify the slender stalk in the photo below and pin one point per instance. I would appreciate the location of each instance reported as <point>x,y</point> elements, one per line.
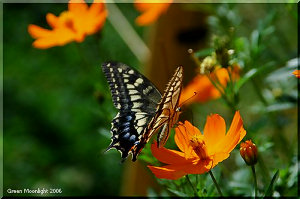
<point>189,181</point>
<point>229,103</point>
<point>266,175</point>
<point>215,182</point>
<point>230,83</point>
<point>214,84</point>
<point>218,82</point>
<point>255,181</point>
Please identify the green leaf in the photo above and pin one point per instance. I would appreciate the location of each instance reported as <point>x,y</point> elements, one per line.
<point>255,36</point>
<point>250,74</point>
<point>269,191</point>
<point>245,78</point>
<point>178,193</point>
<point>280,106</point>
<point>204,53</point>
<point>284,72</point>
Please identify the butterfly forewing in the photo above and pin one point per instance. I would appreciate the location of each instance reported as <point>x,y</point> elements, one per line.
<point>170,106</point>
<point>136,98</point>
<point>167,113</point>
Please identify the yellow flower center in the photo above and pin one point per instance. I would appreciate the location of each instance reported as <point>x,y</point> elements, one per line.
<point>199,147</point>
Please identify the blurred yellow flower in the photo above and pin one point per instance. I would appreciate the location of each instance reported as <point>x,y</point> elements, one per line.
<point>74,24</point>
<point>199,152</point>
<point>151,10</point>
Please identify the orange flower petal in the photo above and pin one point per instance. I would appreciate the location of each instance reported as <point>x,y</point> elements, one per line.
<point>96,7</point>
<point>235,134</point>
<point>204,91</point>
<point>57,37</point>
<point>37,31</point>
<point>166,172</point>
<point>151,12</point>
<point>214,132</point>
<point>198,167</point>
<point>222,75</point>
<point>141,6</point>
<point>175,171</point>
<point>183,134</point>
<point>74,24</point>
<point>95,21</point>
<point>297,73</point>
<point>191,130</point>
<point>167,156</point>
<point>203,87</point>
<point>219,157</point>
<point>180,137</point>
<point>78,7</point>
<point>52,20</point>
<point>147,17</point>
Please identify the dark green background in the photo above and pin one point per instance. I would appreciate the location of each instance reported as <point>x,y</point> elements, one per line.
<point>58,109</point>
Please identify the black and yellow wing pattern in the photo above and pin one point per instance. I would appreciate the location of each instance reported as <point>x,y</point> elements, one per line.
<point>142,109</point>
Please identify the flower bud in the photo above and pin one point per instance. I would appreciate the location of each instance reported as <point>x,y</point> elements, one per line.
<point>208,64</point>
<point>248,152</point>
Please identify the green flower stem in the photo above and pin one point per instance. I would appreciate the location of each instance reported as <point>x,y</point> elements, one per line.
<point>265,171</point>
<point>231,83</point>
<point>214,84</point>
<point>219,82</point>
<point>215,182</point>
<point>189,181</point>
<point>224,96</point>
<point>255,181</point>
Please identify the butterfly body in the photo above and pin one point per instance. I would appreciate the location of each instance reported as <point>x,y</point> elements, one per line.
<point>142,109</point>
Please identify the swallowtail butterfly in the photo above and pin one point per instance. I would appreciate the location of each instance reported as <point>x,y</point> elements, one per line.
<point>142,108</point>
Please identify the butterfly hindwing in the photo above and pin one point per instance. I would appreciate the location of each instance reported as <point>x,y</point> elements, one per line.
<point>136,98</point>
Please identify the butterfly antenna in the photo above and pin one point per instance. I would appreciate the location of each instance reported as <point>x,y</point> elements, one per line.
<point>195,93</point>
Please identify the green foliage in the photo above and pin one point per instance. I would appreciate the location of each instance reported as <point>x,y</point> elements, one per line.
<point>58,109</point>
<point>269,191</point>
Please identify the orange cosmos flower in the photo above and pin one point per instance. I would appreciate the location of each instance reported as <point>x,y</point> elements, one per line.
<point>204,88</point>
<point>198,152</point>
<point>297,73</point>
<point>151,10</point>
<point>72,25</point>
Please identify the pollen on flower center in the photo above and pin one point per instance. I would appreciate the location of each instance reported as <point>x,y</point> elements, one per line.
<point>199,146</point>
